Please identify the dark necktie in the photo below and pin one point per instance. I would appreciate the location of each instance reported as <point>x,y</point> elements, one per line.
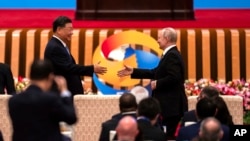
<point>67,49</point>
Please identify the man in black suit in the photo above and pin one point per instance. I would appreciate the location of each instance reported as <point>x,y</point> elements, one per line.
<point>204,108</point>
<point>127,129</point>
<point>36,112</point>
<point>128,106</point>
<point>207,92</point>
<point>148,113</point>
<point>6,79</point>
<point>64,63</point>
<point>210,130</point>
<point>167,80</point>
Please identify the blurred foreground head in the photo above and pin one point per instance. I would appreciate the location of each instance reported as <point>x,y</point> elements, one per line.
<point>41,73</point>
<point>127,129</point>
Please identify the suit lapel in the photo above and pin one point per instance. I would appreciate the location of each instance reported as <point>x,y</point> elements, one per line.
<point>65,48</point>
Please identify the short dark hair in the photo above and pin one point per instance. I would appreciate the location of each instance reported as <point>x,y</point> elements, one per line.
<point>127,102</point>
<point>149,107</point>
<point>60,22</point>
<point>205,108</point>
<point>40,69</point>
<point>210,92</point>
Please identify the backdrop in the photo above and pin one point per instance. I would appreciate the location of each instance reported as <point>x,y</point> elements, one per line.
<point>71,4</point>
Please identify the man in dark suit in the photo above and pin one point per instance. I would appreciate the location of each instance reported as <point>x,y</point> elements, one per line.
<point>148,113</point>
<point>204,108</point>
<point>64,63</point>
<point>6,79</point>
<point>222,114</point>
<point>167,80</point>
<point>208,92</point>
<point>128,106</point>
<point>36,112</point>
<point>127,129</point>
<point>210,130</point>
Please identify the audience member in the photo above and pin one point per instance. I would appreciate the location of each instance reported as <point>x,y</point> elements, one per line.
<point>140,93</point>
<point>207,92</point>
<point>148,114</point>
<point>210,130</point>
<point>223,114</point>
<point>64,63</point>
<point>167,80</point>
<point>127,129</point>
<point>36,112</point>
<point>204,108</point>
<point>6,80</point>
<point>128,106</point>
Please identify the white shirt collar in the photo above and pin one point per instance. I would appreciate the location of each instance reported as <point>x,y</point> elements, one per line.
<point>167,49</point>
<point>64,44</point>
<point>131,112</point>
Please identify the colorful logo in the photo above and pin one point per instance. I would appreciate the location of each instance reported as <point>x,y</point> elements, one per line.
<point>131,48</point>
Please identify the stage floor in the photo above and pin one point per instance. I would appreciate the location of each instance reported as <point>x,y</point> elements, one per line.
<point>234,18</point>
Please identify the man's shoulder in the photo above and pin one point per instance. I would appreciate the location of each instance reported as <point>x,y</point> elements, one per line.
<point>190,127</point>
<point>189,114</point>
<point>110,122</point>
<point>113,121</point>
<point>34,95</point>
<point>53,42</point>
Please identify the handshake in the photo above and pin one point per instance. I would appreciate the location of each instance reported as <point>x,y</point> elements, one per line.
<point>127,70</point>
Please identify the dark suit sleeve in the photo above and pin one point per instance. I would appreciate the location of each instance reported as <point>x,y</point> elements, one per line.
<point>143,73</point>
<point>9,81</point>
<point>64,110</point>
<point>60,58</point>
<point>104,136</point>
<point>181,135</point>
<point>172,68</point>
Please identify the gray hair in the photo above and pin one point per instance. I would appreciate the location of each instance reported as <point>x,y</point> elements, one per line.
<point>170,33</point>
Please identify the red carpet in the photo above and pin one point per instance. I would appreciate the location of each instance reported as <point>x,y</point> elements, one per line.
<point>203,19</point>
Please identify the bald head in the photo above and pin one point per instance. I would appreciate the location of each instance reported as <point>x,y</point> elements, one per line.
<point>127,129</point>
<point>167,37</point>
<point>210,129</point>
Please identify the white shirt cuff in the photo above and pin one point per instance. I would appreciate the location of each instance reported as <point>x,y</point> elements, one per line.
<point>65,93</point>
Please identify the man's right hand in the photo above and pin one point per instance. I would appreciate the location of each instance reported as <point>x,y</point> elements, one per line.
<point>99,69</point>
<point>126,71</point>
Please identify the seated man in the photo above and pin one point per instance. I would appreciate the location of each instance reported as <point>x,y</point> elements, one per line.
<point>128,106</point>
<point>148,113</point>
<point>208,92</point>
<point>210,130</point>
<point>223,114</point>
<point>127,129</point>
<point>6,80</point>
<point>204,108</point>
<point>37,112</point>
